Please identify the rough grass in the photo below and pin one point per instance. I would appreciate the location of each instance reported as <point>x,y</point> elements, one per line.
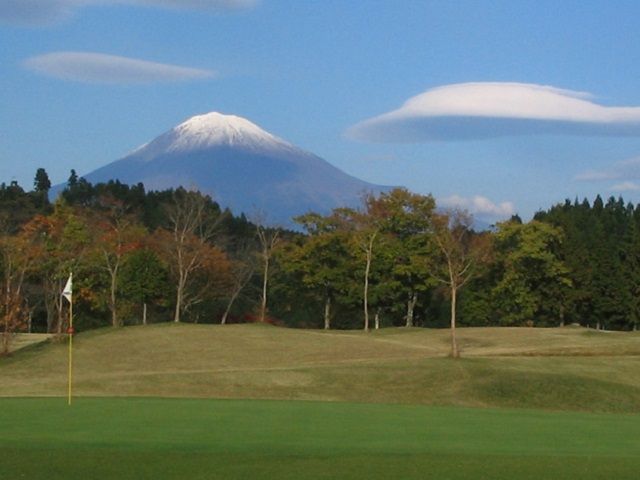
<point>555,369</point>
<point>230,439</point>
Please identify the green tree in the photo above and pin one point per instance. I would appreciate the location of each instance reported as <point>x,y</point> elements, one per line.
<point>41,182</point>
<point>323,258</point>
<point>409,227</point>
<point>533,277</point>
<point>144,279</point>
<point>66,239</point>
<point>41,186</point>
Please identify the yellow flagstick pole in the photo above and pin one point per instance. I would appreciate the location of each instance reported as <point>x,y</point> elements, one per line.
<point>68,294</point>
<point>70,348</point>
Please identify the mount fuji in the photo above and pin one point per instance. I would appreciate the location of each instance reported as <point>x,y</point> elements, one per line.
<point>241,166</point>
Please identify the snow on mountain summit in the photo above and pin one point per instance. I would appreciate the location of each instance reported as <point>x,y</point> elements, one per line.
<point>216,128</point>
<point>210,130</point>
<point>241,166</point>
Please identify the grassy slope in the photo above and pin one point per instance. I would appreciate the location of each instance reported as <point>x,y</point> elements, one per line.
<point>564,369</point>
<point>22,340</point>
<point>210,439</point>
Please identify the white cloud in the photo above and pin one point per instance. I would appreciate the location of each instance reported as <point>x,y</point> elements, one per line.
<point>625,170</point>
<point>100,68</point>
<point>479,206</point>
<point>42,12</point>
<point>487,110</point>
<point>596,175</point>
<point>625,187</point>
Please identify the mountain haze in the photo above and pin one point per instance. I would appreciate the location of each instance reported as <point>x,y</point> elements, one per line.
<point>241,166</point>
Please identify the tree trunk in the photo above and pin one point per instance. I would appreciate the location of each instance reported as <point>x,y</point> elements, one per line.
<point>182,281</point>
<point>366,284</point>
<point>225,315</point>
<point>268,241</point>
<point>265,278</point>
<point>327,313</point>
<point>176,315</point>
<point>376,320</point>
<point>455,353</point>
<point>223,320</point>
<point>144,313</point>
<point>112,299</point>
<point>411,305</point>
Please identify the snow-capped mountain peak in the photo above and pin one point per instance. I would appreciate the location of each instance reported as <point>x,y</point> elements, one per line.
<point>241,166</point>
<point>210,130</point>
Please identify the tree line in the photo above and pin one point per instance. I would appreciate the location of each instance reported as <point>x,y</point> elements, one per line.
<point>398,260</point>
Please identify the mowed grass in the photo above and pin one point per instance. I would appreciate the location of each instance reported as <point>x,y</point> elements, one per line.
<point>554,369</point>
<point>139,438</point>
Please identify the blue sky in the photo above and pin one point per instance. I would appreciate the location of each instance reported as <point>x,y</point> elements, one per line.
<point>491,118</point>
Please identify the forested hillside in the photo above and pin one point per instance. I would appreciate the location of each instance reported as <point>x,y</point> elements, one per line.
<point>143,257</point>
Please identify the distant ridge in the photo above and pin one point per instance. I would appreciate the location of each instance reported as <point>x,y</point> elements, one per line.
<point>242,166</point>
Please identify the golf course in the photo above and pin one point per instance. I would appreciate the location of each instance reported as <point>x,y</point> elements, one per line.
<point>256,401</point>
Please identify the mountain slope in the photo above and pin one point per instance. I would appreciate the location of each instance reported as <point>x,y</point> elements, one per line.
<point>241,166</point>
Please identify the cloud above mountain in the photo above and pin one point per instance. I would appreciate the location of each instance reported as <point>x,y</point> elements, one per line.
<point>469,111</point>
<point>44,12</point>
<point>89,67</point>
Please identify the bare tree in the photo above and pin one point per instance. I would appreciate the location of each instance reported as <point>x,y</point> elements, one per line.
<point>368,227</point>
<point>462,251</point>
<point>268,239</point>
<point>192,226</point>
<point>366,244</point>
<point>242,271</point>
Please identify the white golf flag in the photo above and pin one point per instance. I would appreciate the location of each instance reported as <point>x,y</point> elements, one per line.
<point>68,288</point>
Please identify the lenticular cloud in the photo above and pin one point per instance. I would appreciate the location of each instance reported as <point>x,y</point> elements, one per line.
<point>92,67</point>
<point>469,111</point>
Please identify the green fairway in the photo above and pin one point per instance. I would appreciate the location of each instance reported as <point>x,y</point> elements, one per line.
<point>155,438</point>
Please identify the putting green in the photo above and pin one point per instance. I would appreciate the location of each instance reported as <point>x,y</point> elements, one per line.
<point>253,439</point>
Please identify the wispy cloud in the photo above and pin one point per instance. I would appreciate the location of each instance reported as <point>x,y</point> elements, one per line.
<point>625,170</point>
<point>626,187</point>
<point>43,12</point>
<point>487,110</point>
<point>100,68</point>
<point>479,206</point>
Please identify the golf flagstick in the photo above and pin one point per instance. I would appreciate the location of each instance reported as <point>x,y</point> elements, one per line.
<point>68,294</point>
